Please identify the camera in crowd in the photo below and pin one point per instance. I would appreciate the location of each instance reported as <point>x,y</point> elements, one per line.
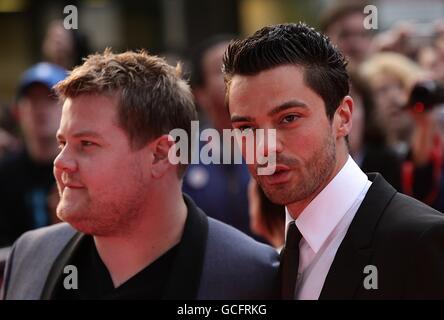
<point>426,95</point>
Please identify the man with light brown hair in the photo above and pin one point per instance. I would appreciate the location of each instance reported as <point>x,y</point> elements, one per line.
<point>129,232</point>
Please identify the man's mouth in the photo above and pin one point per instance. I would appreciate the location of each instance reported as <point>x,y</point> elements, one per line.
<point>73,186</point>
<point>281,175</point>
<point>70,183</point>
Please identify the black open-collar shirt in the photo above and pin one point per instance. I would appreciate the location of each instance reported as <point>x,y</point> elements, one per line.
<point>94,280</point>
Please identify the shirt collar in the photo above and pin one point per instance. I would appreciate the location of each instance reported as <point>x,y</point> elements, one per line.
<point>322,215</point>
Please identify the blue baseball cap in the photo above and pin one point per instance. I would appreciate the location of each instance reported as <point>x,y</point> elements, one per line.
<point>45,73</point>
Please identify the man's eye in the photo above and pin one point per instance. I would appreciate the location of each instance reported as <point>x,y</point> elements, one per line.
<point>290,118</point>
<point>87,143</point>
<point>245,129</point>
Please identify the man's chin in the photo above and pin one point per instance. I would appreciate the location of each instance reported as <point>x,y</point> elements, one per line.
<point>80,223</point>
<point>83,223</point>
<point>284,194</point>
<point>82,227</point>
<point>69,214</point>
<point>276,196</point>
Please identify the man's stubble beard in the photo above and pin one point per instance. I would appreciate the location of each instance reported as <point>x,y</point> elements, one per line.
<point>317,171</point>
<point>104,216</point>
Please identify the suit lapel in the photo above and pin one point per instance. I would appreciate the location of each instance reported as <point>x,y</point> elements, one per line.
<point>62,260</point>
<point>346,273</point>
<point>184,280</point>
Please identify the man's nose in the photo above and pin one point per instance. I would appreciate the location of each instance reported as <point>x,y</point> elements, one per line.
<point>65,161</point>
<point>267,143</point>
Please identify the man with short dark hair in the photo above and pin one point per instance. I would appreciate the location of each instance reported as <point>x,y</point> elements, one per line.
<point>130,232</point>
<point>349,235</point>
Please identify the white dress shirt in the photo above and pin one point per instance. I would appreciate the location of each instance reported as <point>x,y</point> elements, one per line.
<point>323,225</point>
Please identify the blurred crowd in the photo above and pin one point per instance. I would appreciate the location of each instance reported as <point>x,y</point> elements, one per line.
<point>397,84</point>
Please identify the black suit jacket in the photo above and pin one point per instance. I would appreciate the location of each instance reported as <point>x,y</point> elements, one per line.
<point>402,237</point>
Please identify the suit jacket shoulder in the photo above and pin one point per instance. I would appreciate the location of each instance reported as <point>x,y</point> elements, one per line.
<point>31,259</point>
<point>236,266</point>
<point>402,238</point>
<point>410,238</point>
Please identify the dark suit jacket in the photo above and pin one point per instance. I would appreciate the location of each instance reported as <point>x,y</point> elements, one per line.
<point>402,237</point>
<point>213,261</point>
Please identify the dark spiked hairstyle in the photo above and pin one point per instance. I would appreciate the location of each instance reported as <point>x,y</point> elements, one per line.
<point>292,44</point>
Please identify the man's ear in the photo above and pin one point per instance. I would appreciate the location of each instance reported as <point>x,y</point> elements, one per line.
<point>343,117</point>
<point>160,148</point>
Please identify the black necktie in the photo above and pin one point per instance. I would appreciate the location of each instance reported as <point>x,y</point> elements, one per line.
<point>290,262</point>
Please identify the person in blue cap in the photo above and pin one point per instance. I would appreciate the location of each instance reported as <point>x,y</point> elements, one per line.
<point>26,177</point>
